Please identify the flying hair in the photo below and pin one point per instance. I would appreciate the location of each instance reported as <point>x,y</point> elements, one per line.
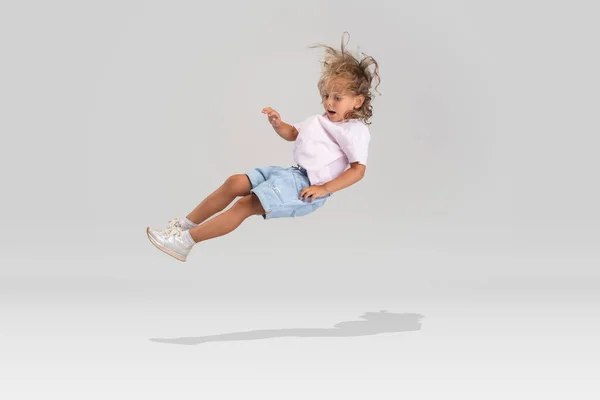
<point>356,74</point>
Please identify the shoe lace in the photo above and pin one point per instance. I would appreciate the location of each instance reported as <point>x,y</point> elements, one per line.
<point>174,222</point>
<point>174,228</point>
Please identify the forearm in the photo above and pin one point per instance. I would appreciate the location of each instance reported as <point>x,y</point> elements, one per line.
<point>346,178</point>
<point>286,131</point>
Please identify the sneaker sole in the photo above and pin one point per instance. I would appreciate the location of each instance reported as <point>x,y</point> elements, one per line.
<point>163,249</point>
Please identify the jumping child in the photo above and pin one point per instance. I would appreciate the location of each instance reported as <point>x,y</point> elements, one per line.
<point>330,153</point>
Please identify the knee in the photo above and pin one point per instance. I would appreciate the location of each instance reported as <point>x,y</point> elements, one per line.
<point>238,184</point>
<point>250,204</point>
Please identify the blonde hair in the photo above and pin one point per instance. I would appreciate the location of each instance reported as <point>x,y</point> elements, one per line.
<point>356,74</point>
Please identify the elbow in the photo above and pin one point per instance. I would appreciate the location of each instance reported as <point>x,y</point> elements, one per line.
<point>360,169</point>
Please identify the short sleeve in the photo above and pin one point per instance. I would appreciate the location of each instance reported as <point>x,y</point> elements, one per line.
<point>304,123</point>
<point>299,125</point>
<point>355,143</point>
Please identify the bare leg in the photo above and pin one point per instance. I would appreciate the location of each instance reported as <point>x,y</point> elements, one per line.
<point>229,220</point>
<point>234,186</point>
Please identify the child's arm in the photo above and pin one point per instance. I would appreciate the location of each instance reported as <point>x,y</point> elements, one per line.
<point>286,131</point>
<point>349,177</point>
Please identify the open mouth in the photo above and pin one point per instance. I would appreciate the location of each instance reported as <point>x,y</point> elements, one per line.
<point>331,112</point>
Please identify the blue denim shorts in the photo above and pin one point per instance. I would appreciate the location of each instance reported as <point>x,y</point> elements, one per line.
<point>278,189</point>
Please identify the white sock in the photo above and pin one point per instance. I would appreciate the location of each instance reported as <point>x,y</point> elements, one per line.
<point>187,238</point>
<point>187,224</point>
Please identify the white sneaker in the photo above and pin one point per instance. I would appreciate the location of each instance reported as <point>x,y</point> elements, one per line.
<point>170,241</point>
<point>172,223</point>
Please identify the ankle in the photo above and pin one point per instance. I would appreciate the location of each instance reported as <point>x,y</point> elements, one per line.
<point>188,224</point>
<point>188,239</point>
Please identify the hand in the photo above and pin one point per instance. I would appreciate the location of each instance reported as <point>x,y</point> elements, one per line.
<point>274,117</point>
<point>314,191</point>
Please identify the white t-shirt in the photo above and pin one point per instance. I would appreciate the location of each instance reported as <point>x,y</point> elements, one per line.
<point>326,148</point>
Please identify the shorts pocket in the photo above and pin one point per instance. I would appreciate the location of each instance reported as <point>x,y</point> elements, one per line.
<point>284,187</point>
<point>301,182</point>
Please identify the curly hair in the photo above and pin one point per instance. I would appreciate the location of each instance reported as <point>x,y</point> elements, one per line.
<point>356,75</point>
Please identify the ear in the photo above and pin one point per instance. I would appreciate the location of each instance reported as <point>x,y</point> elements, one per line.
<point>358,101</point>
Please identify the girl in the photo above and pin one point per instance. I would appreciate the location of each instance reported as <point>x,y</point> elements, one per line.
<point>324,146</point>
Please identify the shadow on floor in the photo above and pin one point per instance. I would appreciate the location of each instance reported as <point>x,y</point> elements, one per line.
<point>375,323</point>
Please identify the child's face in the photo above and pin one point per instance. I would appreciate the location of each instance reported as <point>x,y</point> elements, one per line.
<point>337,101</point>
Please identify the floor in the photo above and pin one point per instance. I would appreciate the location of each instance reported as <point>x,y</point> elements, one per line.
<point>126,340</point>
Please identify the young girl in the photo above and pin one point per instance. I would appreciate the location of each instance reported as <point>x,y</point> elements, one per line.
<point>324,146</point>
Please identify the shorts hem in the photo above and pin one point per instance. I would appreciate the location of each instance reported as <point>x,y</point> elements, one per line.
<point>263,202</point>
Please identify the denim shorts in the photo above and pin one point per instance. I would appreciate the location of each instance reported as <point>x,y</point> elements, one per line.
<point>278,189</point>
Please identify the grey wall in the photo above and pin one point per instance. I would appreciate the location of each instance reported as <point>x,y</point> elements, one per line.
<point>483,161</point>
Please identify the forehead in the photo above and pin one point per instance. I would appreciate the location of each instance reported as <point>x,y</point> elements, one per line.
<point>337,86</point>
